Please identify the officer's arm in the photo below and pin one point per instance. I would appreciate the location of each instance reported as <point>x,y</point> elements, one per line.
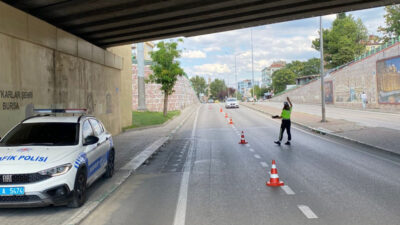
<point>290,103</point>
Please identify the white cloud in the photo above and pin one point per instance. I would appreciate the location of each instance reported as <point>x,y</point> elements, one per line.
<point>194,54</point>
<point>213,48</point>
<point>211,69</point>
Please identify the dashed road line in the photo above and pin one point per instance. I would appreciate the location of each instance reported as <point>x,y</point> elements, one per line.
<point>257,156</point>
<point>307,212</point>
<point>250,149</point>
<point>248,145</point>
<point>264,164</point>
<point>288,190</point>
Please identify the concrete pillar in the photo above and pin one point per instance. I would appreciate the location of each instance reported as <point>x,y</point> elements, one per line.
<point>141,84</point>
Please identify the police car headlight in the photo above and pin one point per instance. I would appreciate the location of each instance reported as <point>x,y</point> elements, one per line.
<point>56,171</point>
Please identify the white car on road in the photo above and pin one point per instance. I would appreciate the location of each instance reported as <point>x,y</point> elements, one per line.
<point>231,103</point>
<point>51,160</point>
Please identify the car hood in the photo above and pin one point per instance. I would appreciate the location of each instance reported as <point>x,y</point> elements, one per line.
<point>29,159</point>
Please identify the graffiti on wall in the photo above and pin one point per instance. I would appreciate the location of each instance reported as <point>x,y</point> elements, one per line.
<point>11,100</point>
<point>328,92</point>
<point>388,80</point>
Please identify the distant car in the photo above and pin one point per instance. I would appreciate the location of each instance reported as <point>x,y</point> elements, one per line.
<point>51,160</point>
<point>231,103</point>
<point>210,101</point>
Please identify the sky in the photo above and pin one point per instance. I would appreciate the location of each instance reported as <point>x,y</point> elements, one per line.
<point>213,55</point>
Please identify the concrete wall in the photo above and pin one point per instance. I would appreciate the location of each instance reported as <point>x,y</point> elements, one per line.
<point>42,66</point>
<point>348,83</point>
<point>183,96</point>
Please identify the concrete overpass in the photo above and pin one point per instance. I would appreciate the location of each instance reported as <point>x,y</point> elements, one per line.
<point>108,23</point>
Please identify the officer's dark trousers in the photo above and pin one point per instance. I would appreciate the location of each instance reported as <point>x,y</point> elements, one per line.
<point>285,125</point>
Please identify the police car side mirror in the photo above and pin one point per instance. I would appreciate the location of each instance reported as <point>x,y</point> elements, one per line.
<point>90,140</point>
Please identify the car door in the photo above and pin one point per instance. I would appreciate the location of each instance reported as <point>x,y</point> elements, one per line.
<point>103,145</point>
<point>92,152</point>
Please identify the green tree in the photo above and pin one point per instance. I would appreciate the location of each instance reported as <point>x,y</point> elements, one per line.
<point>311,67</point>
<point>297,67</point>
<point>343,41</point>
<point>257,91</point>
<point>166,68</point>
<point>218,89</point>
<point>392,20</point>
<point>199,85</point>
<point>281,78</point>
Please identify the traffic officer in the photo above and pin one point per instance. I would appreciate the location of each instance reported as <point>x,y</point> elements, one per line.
<point>285,116</point>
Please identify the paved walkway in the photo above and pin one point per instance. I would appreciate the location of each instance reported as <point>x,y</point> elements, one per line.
<point>380,130</point>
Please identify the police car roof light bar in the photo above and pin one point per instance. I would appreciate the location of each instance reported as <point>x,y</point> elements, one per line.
<point>51,111</point>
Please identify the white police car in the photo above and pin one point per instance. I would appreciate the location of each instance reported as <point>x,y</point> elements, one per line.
<point>51,160</point>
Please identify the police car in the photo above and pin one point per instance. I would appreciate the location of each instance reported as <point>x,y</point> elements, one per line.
<point>51,159</point>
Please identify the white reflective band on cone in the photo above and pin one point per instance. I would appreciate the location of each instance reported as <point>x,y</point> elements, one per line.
<point>274,175</point>
<point>273,166</point>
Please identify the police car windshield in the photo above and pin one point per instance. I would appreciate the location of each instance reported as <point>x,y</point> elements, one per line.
<point>43,134</point>
<point>231,100</point>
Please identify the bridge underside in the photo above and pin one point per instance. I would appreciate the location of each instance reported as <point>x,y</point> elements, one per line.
<point>108,23</point>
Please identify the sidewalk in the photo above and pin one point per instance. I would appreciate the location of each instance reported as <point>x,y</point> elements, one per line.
<point>365,131</point>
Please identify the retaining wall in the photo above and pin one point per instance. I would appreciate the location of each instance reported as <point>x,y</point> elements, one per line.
<point>349,82</point>
<point>183,96</point>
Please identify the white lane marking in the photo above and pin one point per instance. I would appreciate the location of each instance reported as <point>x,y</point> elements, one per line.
<point>257,156</point>
<point>307,212</point>
<point>288,190</point>
<point>264,164</point>
<point>248,145</point>
<point>250,149</point>
<point>180,213</point>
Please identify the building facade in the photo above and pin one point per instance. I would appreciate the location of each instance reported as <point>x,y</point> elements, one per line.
<point>266,73</point>
<point>245,86</point>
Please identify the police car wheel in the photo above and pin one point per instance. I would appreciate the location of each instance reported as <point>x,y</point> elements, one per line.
<point>110,165</point>
<point>79,194</point>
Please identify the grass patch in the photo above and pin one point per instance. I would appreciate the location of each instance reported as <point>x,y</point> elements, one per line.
<point>143,119</point>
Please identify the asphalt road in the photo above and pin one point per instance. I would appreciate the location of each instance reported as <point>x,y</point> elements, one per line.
<point>203,176</point>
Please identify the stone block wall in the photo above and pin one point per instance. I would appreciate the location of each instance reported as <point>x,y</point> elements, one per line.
<point>183,96</point>
<point>348,83</point>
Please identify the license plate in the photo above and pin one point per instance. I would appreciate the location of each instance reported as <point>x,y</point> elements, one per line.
<point>11,191</point>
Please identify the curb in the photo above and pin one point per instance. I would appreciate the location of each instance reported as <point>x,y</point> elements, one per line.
<point>323,132</point>
<point>127,170</point>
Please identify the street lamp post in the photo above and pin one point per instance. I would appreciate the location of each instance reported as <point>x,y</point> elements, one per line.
<point>252,63</point>
<point>237,86</point>
<point>321,50</point>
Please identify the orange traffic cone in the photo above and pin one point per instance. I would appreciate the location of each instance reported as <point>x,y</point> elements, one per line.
<point>242,140</point>
<point>220,109</point>
<point>274,178</point>
<point>226,115</point>
<point>230,121</point>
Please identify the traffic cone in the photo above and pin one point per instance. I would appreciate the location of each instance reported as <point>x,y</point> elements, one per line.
<point>274,178</point>
<point>226,115</point>
<point>242,140</point>
<point>220,109</point>
<point>230,121</point>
